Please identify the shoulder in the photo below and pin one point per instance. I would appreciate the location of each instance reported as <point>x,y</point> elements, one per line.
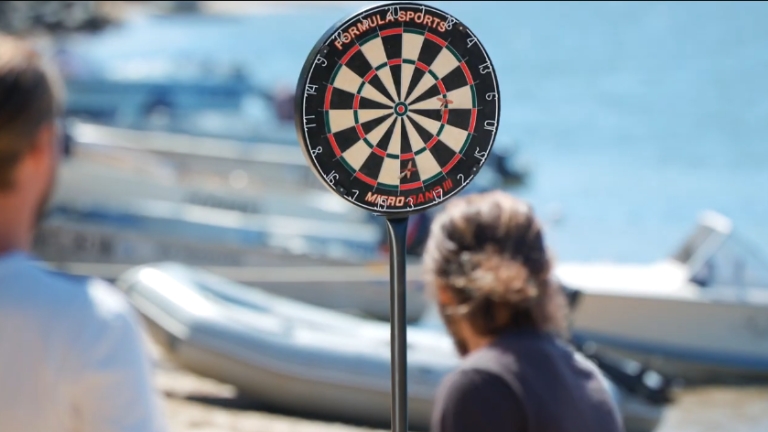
<point>600,391</point>
<point>468,388</point>
<point>468,382</point>
<point>599,386</point>
<point>103,314</point>
<point>79,316</point>
<point>37,289</point>
<point>106,300</point>
<point>477,400</point>
<point>89,300</point>
<point>598,382</point>
<point>78,309</point>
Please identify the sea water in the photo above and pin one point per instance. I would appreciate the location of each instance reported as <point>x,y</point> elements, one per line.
<point>633,117</point>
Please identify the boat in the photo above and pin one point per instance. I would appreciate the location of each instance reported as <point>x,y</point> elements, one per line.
<point>301,357</point>
<point>700,314</point>
<point>54,17</point>
<point>149,189</point>
<point>104,244</point>
<point>256,214</point>
<point>102,221</point>
<point>107,216</point>
<point>231,164</point>
<point>122,178</point>
<point>149,92</point>
<point>115,208</point>
<point>272,157</point>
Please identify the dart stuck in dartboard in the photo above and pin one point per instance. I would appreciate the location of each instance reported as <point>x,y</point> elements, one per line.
<point>397,108</point>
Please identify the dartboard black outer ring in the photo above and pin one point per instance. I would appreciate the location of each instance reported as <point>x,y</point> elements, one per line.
<point>313,118</point>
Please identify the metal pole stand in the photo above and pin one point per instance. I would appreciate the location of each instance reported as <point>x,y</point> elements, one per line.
<point>397,228</point>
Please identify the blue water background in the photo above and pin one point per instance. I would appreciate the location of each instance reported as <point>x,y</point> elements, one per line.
<point>634,117</point>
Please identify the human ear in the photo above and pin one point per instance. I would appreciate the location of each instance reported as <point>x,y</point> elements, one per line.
<point>44,151</point>
<point>445,296</point>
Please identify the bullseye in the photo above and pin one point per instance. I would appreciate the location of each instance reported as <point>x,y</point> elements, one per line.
<point>397,108</point>
<point>399,116</point>
<point>401,109</point>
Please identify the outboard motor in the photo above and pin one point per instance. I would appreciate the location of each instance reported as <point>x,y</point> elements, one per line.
<point>504,162</point>
<point>631,376</point>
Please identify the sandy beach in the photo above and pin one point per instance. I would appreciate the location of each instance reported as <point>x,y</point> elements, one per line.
<point>193,403</point>
<point>197,404</point>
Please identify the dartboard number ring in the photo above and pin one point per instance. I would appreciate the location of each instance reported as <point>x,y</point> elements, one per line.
<point>397,107</point>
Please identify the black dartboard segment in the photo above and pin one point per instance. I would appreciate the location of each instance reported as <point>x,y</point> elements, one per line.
<point>397,108</point>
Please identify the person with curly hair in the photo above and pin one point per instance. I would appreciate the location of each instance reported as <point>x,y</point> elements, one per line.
<point>488,270</point>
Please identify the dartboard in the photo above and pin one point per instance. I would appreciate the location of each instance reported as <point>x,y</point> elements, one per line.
<point>397,108</point>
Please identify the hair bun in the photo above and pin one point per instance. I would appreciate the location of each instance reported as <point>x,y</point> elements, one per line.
<point>496,276</point>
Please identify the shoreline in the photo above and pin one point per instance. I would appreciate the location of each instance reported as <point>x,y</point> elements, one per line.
<point>191,402</point>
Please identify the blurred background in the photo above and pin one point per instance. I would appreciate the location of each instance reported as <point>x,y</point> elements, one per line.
<point>637,130</point>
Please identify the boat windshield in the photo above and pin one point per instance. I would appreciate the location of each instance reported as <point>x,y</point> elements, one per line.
<point>700,238</point>
<point>736,263</point>
<point>719,257</point>
<point>711,230</point>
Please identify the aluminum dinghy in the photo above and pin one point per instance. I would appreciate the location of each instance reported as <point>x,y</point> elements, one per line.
<point>105,244</point>
<point>297,356</point>
<point>110,214</point>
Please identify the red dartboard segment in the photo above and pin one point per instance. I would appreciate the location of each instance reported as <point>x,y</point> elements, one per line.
<point>441,86</point>
<point>450,164</point>
<point>360,131</point>
<point>379,152</point>
<point>472,119</point>
<point>335,146</point>
<point>435,39</point>
<point>365,178</point>
<point>382,92</point>
<point>393,31</point>
<point>349,54</point>
<point>409,186</point>
<point>466,72</point>
<point>328,92</point>
<point>369,75</point>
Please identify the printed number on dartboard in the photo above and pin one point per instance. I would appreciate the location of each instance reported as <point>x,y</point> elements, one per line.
<point>400,108</point>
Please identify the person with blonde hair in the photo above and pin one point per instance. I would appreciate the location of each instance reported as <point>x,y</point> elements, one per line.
<point>489,271</point>
<point>71,350</point>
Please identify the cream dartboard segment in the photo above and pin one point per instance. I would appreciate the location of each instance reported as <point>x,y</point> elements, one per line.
<point>397,108</point>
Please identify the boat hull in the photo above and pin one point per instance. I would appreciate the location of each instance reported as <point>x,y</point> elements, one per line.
<point>313,397</point>
<point>699,341</point>
<point>340,284</point>
<point>201,159</point>
<point>297,357</point>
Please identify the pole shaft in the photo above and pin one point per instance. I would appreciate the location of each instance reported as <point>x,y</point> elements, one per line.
<point>397,229</point>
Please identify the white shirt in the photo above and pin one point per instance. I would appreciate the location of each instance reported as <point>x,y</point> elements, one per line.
<point>72,357</point>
